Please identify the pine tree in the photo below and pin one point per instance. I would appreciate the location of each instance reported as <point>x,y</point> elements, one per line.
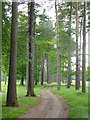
<point>0,40</point>
<point>77,62</point>
<point>30,90</point>
<point>69,47</point>
<point>84,53</point>
<point>11,92</point>
<point>58,62</point>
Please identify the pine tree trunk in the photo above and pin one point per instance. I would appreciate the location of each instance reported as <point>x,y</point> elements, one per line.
<point>5,80</point>
<point>80,53</point>
<point>33,51</point>
<point>0,40</point>
<point>88,54</point>
<point>77,63</point>
<point>22,80</point>
<point>36,81</point>
<point>11,92</point>
<point>58,62</point>
<point>69,48</point>
<point>33,62</point>
<point>0,78</point>
<point>84,53</point>
<point>47,71</point>
<point>27,52</point>
<point>30,90</point>
<point>42,71</point>
<point>27,76</point>
<point>60,43</point>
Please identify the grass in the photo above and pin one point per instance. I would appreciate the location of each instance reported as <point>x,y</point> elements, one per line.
<point>25,103</point>
<point>77,100</point>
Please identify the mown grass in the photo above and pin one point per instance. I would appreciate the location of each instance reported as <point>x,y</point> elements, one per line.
<point>77,100</point>
<point>25,103</point>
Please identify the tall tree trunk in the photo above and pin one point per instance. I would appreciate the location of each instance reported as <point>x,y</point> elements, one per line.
<point>5,80</point>
<point>27,51</point>
<point>27,76</point>
<point>80,53</point>
<point>33,62</point>
<point>60,42</point>
<point>30,90</point>
<point>36,68</point>
<point>0,78</point>
<point>42,70</point>
<point>22,80</point>
<point>0,40</point>
<point>33,50</point>
<point>47,71</point>
<point>58,62</point>
<point>77,65</point>
<point>11,92</point>
<point>84,53</point>
<point>69,48</point>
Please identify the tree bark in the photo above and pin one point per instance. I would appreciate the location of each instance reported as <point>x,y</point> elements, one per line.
<point>0,78</point>
<point>0,40</point>
<point>36,68</point>
<point>60,43</point>
<point>69,48</point>
<point>22,80</point>
<point>47,71</point>
<point>84,53</point>
<point>5,80</point>
<point>11,92</point>
<point>80,53</point>
<point>33,61</point>
<point>58,62</point>
<point>77,63</point>
<point>27,51</point>
<point>30,90</point>
<point>27,75</point>
<point>42,70</point>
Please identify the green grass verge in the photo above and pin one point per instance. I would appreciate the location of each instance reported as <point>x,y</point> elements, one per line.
<point>77,100</point>
<point>25,103</point>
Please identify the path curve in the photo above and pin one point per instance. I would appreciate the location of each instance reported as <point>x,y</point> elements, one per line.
<point>51,106</point>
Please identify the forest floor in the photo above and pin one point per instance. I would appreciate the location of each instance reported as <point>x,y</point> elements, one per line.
<point>25,103</point>
<point>51,106</point>
<point>77,100</point>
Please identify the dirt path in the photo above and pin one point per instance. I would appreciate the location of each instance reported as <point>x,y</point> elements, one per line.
<point>51,106</point>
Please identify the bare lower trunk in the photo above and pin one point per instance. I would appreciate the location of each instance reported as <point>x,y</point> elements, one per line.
<point>5,80</point>
<point>84,53</point>
<point>58,62</point>
<point>0,78</point>
<point>27,76</point>
<point>42,71</point>
<point>60,43</point>
<point>36,82</point>
<point>80,53</point>
<point>11,92</point>
<point>69,48</point>
<point>0,39</point>
<point>33,62</point>
<point>22,81</point>
<point>47,71</point>
<point>30,90</point>
<point>77,63</point>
